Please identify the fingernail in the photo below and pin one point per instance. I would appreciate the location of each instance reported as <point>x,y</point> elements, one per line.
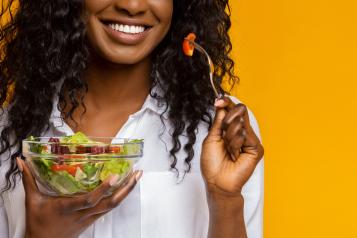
<point>138,175</point>
<point>19,164</point>
<point>218,102</point>
<point>113,180</point>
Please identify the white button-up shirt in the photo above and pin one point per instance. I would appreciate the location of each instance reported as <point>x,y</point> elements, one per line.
<point>161,205</point>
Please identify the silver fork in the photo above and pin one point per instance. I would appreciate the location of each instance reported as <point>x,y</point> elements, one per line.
<point>217,91</point>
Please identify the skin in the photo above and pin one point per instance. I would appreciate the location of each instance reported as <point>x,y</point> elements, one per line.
<point>230,153</point>
<point>118,74</point>
<point>118,84</point>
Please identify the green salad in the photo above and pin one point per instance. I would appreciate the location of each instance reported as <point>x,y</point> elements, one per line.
<point>76,164</point>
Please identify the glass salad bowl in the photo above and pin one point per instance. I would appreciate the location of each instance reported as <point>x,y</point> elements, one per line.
<point>74,165</point>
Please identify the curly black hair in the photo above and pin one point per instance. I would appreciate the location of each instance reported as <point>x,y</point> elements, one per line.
<point>45,43</point>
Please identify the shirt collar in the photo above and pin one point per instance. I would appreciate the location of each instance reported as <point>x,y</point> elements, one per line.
<point>150,104</point>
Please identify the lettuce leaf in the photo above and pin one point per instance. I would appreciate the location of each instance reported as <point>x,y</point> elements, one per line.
<point>115,166</point>
<point>43,167</point>
<point>65,183</point>
<point>79,137</point>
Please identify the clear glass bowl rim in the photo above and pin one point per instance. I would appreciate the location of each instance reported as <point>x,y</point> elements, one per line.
<point>26,144</point>
<point>123,141</point>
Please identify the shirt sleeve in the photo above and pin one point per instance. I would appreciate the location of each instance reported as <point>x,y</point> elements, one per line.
<point>4,232</point>
<point>3,222</point>
<point>4,227</point>
<point>253,191</point>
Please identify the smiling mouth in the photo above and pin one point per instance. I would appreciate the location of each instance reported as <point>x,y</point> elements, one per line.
<point>127,32</point>
<point>128,29</point>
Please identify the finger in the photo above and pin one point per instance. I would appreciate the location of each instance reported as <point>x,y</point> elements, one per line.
<point>255,150</point>
<point>237,111</point>
<point>234,138</point>
<point>252,143</point>
<point>114,200</point>
<point>28,180</point>
<point>220,104</point>
<point>108,203</point>
<point>128,187</point>
<point>91,199</point>
<point>235,145</point>
<point>234,128</point>
<point>216,130</point>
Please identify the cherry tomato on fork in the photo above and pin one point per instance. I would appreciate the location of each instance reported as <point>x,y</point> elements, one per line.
<point>187,46</point>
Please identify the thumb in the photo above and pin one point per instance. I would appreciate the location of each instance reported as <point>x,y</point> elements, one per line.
<point>216,129</point>
<point>28,180</point>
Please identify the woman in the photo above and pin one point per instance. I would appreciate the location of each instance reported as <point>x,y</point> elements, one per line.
<point>115,68</point>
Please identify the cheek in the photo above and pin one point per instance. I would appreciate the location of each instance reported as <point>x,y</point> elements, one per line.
<point>163,10</point>
<point>92,28</point>
<point>94,6</point>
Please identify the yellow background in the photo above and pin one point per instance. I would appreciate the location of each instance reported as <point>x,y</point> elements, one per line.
<point>297,61</point>
<point>297,64</point>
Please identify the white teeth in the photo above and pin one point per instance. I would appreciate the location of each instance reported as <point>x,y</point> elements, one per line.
<point>127,28</point>
<point>121,28</point>
<point>132,29</point>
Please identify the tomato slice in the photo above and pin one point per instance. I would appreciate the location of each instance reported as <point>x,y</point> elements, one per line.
<point>71,169</point>
<point>187,45</point>
<point>114,149</point>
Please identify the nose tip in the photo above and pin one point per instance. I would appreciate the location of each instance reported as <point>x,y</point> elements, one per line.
<point>131,7</point>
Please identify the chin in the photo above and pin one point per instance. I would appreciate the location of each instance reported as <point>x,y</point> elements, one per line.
<point>123,58</point>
